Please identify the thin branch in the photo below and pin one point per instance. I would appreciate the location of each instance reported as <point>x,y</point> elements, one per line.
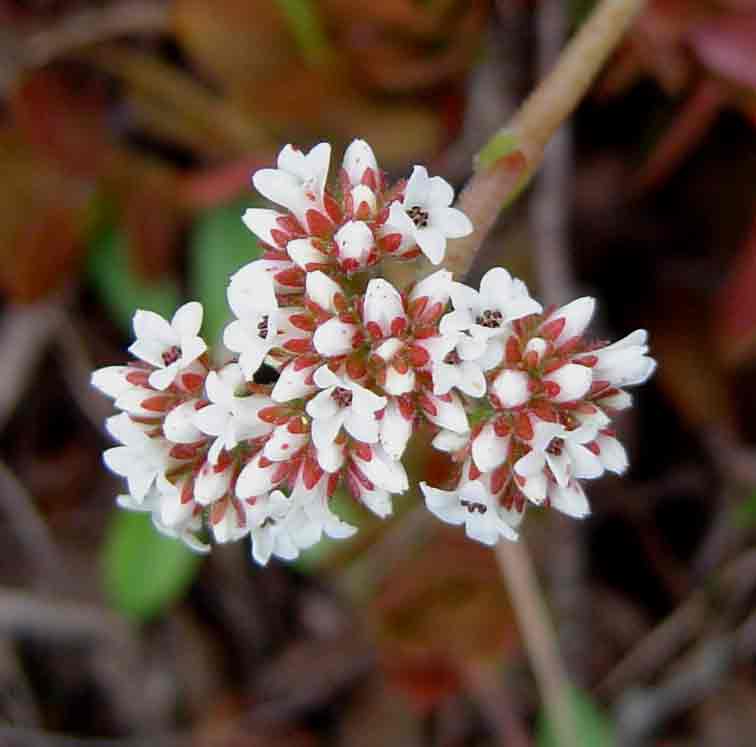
<point>80,30</point>
<point>539,638</point>
<point>500,176</point>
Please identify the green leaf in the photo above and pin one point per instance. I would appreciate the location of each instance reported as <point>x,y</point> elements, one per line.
<point>593,725</point>
<point>745,512</point>
<point>220,245</point>
<point>306,26</point>
<point>502,144</point>
<point>144,572</point>
<point>121,290</point>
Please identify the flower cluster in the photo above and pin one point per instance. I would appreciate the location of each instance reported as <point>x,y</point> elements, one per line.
<point>515,394</point>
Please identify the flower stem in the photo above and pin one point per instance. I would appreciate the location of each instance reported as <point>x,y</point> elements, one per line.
<point>510,158</point>
<point>540,639</point>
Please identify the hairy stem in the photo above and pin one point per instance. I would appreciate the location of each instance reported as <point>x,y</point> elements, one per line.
<point>510,158</point>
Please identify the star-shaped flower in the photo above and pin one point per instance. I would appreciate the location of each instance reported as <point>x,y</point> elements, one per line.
<point>169,347</point>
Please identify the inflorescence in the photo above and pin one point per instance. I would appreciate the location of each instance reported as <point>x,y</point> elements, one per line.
<point>516,394</point>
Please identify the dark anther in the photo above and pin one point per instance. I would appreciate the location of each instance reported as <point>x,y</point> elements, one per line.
<point>172,355</point>
<point>419,216</point>
<point>490,319</point>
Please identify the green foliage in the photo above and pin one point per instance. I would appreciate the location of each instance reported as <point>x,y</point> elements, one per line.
<point>593,725</point>
<point>120,289</point>
<point>307,28</point>
<point>220,245</point>
<point>745,512</point>
<point>144,572</point>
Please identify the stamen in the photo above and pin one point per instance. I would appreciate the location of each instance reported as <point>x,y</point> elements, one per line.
<point>342,396</point>
<point>262,327</point>
<point>419,216</point>
<point>172,355</point>
<point>489,318</point>
<point>556,446</point>
<point>473,506</point>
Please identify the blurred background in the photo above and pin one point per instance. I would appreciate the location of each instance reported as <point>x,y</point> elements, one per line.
<point>128,133</point>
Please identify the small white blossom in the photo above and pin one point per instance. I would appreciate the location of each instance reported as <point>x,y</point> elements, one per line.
<point>625,362</point>
<point>298,184</point>
<point>358,158</point>
<point>566,455</point>
<point>343,402</point>
<point>140,459</point>
<point>486,315</point>
<point>231,418</point>
<point>472,505</point>
<point>354,245</point>
<point>426,216</point>
<point>252,298</point>
<point>571,320</point>
<point>169,347</point>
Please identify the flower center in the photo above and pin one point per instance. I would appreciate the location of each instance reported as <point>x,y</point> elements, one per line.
<point>419,216</point>
<point>556,446</point>
<point>473,506</point>
<point>171,355</point>
<point>342,396</point>
<point>262,327</point>
<point>489,318</point>
<point>452,358</point>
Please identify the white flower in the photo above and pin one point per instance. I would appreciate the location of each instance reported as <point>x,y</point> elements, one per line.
<point>489,449</point>
<point>428,298</point>
<point>446,411</point>
<point>358,158</point>
<point>345,403</point>
<point>383,310</point>
<point>298,183</point>
<point>449,370</point>
<point>230,418</point>
<point>252,298</point>
<point>184,530</point>
<point>568,383</point>
<point>140,459</point>
<point>314,501</point>
<point>179,425</point>
<point>569,321</point>
<point>426,216</point>
<point>279,526</point>
<point>334,338</point>
<point>382,470</point>
<point>486,315</point>
<point>472,505</point>
<point>294,382</point>
<point>396,429</point>
<point>625,362</point>
<point>169,347</point>
<point>354,245</point>
<point>564,452</point>
<point>256,478</point>
<point>212,482</point>
<point>228,520</point>
<point>264,223</point>
<point>511,388</point>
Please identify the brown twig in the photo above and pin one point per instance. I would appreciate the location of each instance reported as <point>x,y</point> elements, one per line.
<point>534,124</point>
<point>79,30</point>
<point>539,638</point>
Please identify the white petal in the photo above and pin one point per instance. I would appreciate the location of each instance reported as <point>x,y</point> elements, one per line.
<point>111,380</point>
<point>444,504</point>
<point>395,431</point>
<point>324,431</point>
<point>334,338</point>
<point>358,157</point>
<point>450,441</point>
<point>304,252</point>
<point>511,387</point>
<point>440,193</point>
<point>321,289</point>
<point>432,244</point>
<point>188,319</point>
<point>531,464</point>
<point>451,222</point>
<point>179,426</point>
<point>489,450</point>
<point>254,480</point>
<point>418,188</point>
<point>152,326</point>
<point>449,415</point>
<point>261,221</point>
<point>330,457</point>
<point>364,428</point>
<point>162,378</point>
<point>612,454</point>
<point>573,380</point>
<point>383,305</point>
<point>570,500</point>
<point>292,384</point>
<point>577,314</point>
<point>323,406</point>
